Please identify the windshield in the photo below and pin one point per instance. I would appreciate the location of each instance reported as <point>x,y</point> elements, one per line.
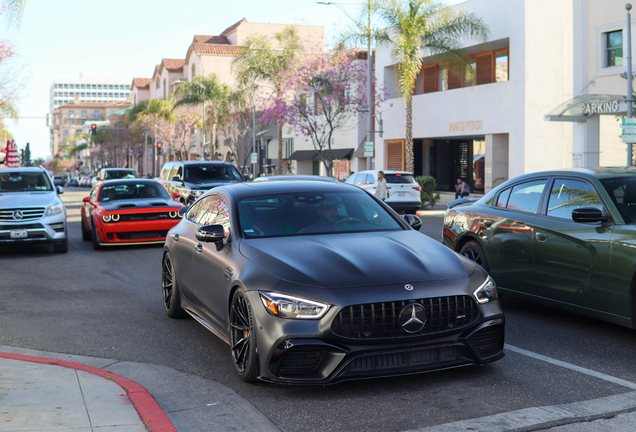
<point>208,172</point>
<point>112,192</point>
<point>399,178</point>
<point>24,181</point>
<point>118,174</point>
<point>312,213</point>
<point>622,190</point>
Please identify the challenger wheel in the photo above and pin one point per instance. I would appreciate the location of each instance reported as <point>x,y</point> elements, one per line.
<point>243,337</point>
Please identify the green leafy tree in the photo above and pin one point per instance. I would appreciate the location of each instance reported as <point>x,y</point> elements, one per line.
<point>415,29</point>
<point>263,65</point>
<point>209,92</point>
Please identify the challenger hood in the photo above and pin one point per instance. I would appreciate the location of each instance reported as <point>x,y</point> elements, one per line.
<point>27,199</point>
<point>356,259</point>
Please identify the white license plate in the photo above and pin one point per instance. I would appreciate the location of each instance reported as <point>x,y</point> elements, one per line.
<point>19,233</point>
<point>401,193</point>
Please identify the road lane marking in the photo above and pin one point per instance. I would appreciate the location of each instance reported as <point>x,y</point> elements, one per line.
<point>570,366</point>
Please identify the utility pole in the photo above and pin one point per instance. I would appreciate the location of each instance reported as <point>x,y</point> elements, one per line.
<point>203,127</point>
<point>630,112</point>
<point>369,88</point>
<point>253,141</point>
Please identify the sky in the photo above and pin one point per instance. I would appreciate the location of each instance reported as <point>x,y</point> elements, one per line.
<point>127,38</point>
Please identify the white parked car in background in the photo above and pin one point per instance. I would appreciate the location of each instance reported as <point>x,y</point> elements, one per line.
<point>404,191</point>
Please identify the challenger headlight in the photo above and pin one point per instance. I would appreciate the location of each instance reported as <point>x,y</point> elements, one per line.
<point>173,215</point>
<point>486,292</point>
<point>115,218</point>
<point>55,209</point>
<point>106,218</point>
<point>286,306</point>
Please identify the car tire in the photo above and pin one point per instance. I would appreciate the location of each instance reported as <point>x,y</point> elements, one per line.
<point>243,337</point>
<point>86,236</point>
<point>95,238</point>
<point>170,289</point>
<point>61,247</point>
<point>474,252</point>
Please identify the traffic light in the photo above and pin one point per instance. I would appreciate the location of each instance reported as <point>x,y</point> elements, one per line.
<point>159,146</point>
<point>93,129</point>
<point>76,166</point>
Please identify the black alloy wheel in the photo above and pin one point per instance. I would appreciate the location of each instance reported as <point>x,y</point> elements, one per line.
<point>474,252</point>
<point>243,337</point>
<point>170,289</point>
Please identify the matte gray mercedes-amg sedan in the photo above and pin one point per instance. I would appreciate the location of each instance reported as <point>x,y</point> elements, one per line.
<point>315,282</point>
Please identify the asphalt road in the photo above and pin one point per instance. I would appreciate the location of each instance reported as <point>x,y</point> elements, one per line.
<point>108,304</point>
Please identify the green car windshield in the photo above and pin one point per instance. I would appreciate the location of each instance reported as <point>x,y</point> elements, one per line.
<point>24,182</point>
<point>622,190</point>
<point>306,213</point>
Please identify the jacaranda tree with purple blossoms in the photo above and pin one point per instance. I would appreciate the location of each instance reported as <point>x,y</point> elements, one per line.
<point>326,90</point>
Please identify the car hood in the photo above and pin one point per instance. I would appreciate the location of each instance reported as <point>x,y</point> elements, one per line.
<point>139,204</point>
<point>356,259</point>
<point>209,184</point>
<point>27,199</point>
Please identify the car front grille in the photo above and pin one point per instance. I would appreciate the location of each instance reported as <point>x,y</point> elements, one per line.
<point>301,359</point>
<point>135,217</point>
<point>28,214</point>
<point>141,235</point>
<point>380,320</point>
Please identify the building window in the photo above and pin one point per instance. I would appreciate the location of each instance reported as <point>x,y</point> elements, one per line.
<point>471,73</point>
<point>83,94</point>
<point>65,86</point>
<point>96,114</point>
<point>111,112</point>
<point>84,113</point>
<point>165,95</point>
<point>99,86</point>
<point>443,78</point>
<point>65,132</point>
<point>194,71</point>
<point>110,87</point>
<point>99,95</point>
<point>71,121</point>
<point>71,113</point>
<point>501,67</point>
<point>83,86</point>
<point>94,86</point>
<point>614,48</point>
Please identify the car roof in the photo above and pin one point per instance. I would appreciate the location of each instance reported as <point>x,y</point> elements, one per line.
<point>586,172</point>
<point>384,171</point>
<point>297,177</point>
<point>127,181</point>
<point>195,162</point>
<point>118,169</point>
<point>22,169</point>
<point>266,187</point>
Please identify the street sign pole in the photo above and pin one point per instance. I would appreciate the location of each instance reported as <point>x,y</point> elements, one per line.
<point>628,41</point>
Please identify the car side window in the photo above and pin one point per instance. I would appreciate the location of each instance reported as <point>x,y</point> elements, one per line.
<point>352,179</point>
<point>502,199</point>
<point>179,173</point>
<point>165,171</point>
<point>567,195</point>
<point>195,209</point>
<point>526,196</point>
<point>362,179</point>
<point>214,211</point>
<point>94,194</point>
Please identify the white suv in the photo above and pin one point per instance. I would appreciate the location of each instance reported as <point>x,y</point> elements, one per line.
<point>404,191</point>
<point>30,209</point>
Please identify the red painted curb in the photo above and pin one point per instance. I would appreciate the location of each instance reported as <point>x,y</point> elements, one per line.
<point>145,404</point>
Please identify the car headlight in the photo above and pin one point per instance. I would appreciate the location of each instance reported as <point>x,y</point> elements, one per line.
<point>173,215</point>
<point>106,218</point>
<point>286,306</point>
<point>55,209</point>
<point>487,291</point>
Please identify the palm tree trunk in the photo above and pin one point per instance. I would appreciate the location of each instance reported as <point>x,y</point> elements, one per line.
<point>279,167</point>
<point>408,145</point>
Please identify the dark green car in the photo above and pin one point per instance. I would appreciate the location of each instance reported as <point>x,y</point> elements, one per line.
<point>563,238</point>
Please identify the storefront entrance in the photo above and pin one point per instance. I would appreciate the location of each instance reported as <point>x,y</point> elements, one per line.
<point>450,159</point>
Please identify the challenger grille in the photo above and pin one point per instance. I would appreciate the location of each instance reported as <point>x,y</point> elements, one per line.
<point>28,214</point>
<point>380,320</point>
<point>135,217</point>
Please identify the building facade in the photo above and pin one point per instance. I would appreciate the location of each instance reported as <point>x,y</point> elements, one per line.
<point>90,87</point>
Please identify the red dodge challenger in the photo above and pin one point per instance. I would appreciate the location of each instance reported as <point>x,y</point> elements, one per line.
<point>128,212</point>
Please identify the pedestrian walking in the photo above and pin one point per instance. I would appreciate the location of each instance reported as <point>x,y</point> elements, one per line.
<point>382,192</point>
<point>461,189</point>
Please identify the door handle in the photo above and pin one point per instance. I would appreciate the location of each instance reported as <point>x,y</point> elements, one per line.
<point>198,248</point>
<point>487,223</point>
<point>541,236</point>
<point>175,237</point>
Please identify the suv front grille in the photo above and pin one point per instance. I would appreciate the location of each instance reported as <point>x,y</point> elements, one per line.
<point>28,214</point>
<point>380,320</point>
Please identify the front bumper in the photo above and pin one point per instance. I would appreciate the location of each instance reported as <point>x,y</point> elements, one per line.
<point>309,352</point>
<point>48,229</point>
<point>404,205</point>
<point>132,233</point>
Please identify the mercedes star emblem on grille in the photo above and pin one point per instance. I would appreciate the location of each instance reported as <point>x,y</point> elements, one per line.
<point>408,287</point>
<point>412,318</point>
<point>18,215</point>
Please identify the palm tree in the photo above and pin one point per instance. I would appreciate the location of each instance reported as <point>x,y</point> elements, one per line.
<point>415,28</point>
<point>15,8</point>
<point>261,64</point>
<point>210,92</point>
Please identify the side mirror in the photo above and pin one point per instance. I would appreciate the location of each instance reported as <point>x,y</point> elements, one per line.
<point>175,195</point>
<point>86,199</point>
<point>211,234</point>
<point>414,221</point>
<point>588,214</point>
<point>183,210</point>
<point>60,190</point>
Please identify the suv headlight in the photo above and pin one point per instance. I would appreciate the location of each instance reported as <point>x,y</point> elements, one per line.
<point>286,306</point>
<point>487,291</point>
<point>55,209</point>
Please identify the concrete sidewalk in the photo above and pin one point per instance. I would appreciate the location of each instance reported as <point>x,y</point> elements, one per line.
<point>44,391</point>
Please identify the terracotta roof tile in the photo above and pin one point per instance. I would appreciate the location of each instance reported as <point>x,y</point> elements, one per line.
<point>141,83</point>
<point>210,39</point>
<point>232,27</point>
<point>173,64</point>
<point>217,49</point>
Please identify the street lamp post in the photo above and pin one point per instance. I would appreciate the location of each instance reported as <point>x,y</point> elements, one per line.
<point>367,30</point>
<point>628,41</point>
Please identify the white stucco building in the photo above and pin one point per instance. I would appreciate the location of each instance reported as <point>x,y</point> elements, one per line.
<point>521,110</point>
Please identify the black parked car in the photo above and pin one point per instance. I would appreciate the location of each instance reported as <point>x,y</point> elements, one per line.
<point>316,282</point>
<point>192,178</point>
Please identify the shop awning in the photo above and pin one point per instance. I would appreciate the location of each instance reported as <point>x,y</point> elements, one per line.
<point>579,108</point>
<point>338,153</point>
<point>301,155</point>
